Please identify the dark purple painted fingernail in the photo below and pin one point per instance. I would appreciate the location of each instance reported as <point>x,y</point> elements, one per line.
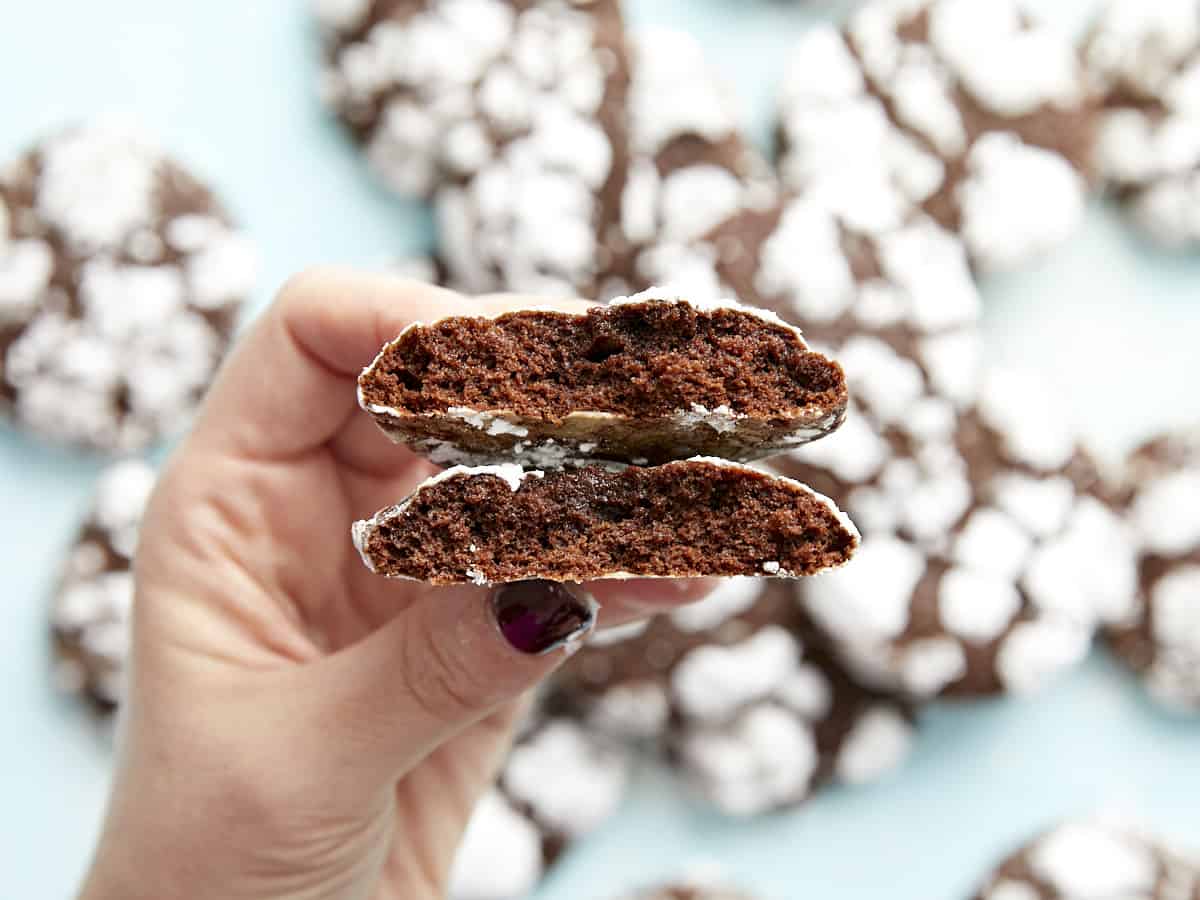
<point>537,617</point>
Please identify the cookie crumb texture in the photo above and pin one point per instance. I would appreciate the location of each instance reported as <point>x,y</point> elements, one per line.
<point>1161,640</point>
<point>1093,860</point>
<point>120,280</point>
<point>682,519</point>
<point>92,606</point>
<point>643,382</point>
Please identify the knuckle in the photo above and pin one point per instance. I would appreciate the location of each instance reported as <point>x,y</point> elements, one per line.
<point>441,680</point>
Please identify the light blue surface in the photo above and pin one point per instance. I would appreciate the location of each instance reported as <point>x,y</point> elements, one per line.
<point>228,84</point>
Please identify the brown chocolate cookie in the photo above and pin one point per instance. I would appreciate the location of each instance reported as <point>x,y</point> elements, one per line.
<point>557,784</point>
<point>92,605</point>
<point>1093,860</point>
<point>120,279</point>
<point>502,523</point>
<point>1144,56</point>
<point>691,891</point>
<point>646,379</point>
<point>1161,640</point>
<point>741,697</point>
<point>978,114</point>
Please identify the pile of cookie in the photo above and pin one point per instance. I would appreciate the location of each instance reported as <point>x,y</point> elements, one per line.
<point>925,144</point>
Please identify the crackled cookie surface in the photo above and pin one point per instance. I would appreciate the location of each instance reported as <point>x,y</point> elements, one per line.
<point>646,379</point>
<point>972,110</point>
<point>91,609</point>
<point>749,709</point>
<point>120,278</point>
<point>557,784</point>
<point>1144,56</point>
<point>497,524</point>
<point>1093,860</point>
<point>1161,640</point>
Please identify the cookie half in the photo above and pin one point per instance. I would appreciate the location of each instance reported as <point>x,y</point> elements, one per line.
<point>1093,860</point>
<point>90,615</point>
<point>699,517</point>
<point>740,696</point>
<point>1161,640</point>
<point>120,280</point>
<point>558,784</point>
<point>1144,56</point>
<point>644,380</point>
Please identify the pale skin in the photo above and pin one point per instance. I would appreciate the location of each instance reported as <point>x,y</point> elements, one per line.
<point>298,727</point>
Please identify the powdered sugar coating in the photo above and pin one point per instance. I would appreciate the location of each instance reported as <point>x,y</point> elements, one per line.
<point>754,716</point>
<point>1093,858</point>
<point>93,603</point>
<point>965,109</point>
<point>1145,56</point>
<point>120,279</point>
<point>557,784</point>
<point>1160,638</point>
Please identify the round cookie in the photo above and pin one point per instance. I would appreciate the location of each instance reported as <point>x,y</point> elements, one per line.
<point>975,112</point>
<point>750,710</point>
<point>1161,642</point>
<point>962,485</point>
<point>1144,56</point>
<point>92,605</point>
<point>1093,860</point>
<point>120,280</point>
<point>558,784</point>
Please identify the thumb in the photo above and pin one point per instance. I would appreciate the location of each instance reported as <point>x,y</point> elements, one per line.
<point>453,657</point>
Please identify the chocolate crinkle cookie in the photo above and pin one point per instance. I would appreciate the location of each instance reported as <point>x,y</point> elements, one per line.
<point>1161,640</point>
<point>499,524</point>
<point>992,553</point>
<point>120,280</point>
<point>971,110</point>
<point>738,694</point>
<point>645,379</point>
<point>1094,859</point>
<point>688,891</point>
<point>1144,56</point>
<point>92,605</point>
<point>557,784</point>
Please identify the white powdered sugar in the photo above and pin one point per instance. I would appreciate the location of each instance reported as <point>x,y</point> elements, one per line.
<point>730,598</point>
<point>764,759</point>
<point>1091,860</point>
<point>118,353</point>
<point>876,745</point>
<point>500,856</point>
<point>1000,225</point>
<point>93,605</point>
<point>712,682</point>
<point>569,781</point>
<point>1166,512</point>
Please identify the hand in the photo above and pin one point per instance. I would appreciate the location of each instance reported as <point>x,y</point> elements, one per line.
<point>299,727</point>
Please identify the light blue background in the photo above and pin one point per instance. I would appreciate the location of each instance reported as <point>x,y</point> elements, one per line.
<point>228,84</point>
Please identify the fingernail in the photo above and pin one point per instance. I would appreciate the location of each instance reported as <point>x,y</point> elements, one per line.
<point>537,617</point>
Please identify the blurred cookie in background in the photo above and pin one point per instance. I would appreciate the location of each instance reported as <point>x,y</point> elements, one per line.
<point>120,282</point>
<point>515,108</point>
<point>90,614</point>
<point>975,112</point>
<point>691,890</point>
<point>1161,640</point>
<point>750,711</point>
<point>991,553</point>
<point>1144,56</point>
<point>557,784</point>
<point>1092,859</point>
<point>527,222</point>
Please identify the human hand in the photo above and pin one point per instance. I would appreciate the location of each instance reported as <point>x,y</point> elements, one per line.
<point>298,727</point>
